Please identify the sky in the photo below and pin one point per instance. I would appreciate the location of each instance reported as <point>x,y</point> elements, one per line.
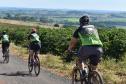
<point>115,5</point>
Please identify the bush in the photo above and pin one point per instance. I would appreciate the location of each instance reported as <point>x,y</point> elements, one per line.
<point>114,41</point>
<point>56,41</point>
<point>56,25</point>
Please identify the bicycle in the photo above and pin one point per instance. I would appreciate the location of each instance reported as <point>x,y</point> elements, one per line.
<point>85,75</point>
<point>6,55</point>
<point>34,62</point>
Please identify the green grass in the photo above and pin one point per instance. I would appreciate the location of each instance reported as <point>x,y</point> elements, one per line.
<point>114,19</point>
<point>72,19</point>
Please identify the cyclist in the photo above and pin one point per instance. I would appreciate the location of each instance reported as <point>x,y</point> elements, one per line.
<point>91,46</point>
<point>5,42</point>
<point>35,44</point>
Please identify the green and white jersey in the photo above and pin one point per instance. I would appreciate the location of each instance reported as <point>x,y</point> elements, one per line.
<point>34,37</point>
<point>5,38</point>
<point>88,35</point>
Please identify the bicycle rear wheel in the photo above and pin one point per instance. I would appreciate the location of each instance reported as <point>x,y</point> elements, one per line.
<point>96,78</point>
<point>36,65</point>
<point>30,64</point>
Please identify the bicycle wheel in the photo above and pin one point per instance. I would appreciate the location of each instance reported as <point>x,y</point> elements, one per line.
<point>84,77</point>
<point>36,65</point>
<point>76,77</point>
<point>30,64</point>
<point>95,78</point>
<point>6,57</point>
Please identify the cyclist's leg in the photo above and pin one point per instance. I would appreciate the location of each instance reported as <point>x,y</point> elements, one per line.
<point>37,49</point>
<point>95,58</point>
<point>36,53</point>
<point>31,50</point>
<point>31,53</point>
<point>82,57</point>
<point>7,46</point>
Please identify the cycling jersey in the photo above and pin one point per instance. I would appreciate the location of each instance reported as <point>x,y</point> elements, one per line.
<point>5,38</point>
<point>34,37</point>
<point>35,43</point>
<point>88,35</point>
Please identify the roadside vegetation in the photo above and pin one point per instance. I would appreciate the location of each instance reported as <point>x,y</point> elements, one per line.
<point>113,73</point>
<point>55,42</point>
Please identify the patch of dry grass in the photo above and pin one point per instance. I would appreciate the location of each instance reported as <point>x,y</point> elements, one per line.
<point>27,23</point>
<point>114,73</point>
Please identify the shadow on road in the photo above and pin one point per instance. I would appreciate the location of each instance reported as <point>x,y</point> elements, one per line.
<point>19,73</point>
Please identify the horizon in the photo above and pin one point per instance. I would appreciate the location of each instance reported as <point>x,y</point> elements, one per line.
<point>65,9</point>
<point>65,4</point>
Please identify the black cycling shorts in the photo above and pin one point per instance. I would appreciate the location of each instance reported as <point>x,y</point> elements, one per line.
<point>5,45</point>
<point>93,53</point>
<point>35,46</point>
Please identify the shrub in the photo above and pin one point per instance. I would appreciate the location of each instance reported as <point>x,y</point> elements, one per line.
<point>56,41</point>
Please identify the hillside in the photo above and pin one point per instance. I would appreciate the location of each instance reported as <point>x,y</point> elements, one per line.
<point>27,23</point>
<point>100,18</point>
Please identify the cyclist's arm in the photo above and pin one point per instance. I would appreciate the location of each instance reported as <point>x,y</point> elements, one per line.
<point>73,43</point>
<point>74,40</point>
<point>29,37</point>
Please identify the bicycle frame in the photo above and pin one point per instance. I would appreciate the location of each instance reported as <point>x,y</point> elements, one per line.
<point>34,62</point>
<point>86,77</point>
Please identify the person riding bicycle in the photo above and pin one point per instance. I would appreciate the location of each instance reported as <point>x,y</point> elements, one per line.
<point>91,46</point>
<point>35,43</point>
<point>5,42</point>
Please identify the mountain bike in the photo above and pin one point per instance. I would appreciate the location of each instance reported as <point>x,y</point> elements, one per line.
<point>6,55</point>
<point>34,63</point>
<point>86,75</point>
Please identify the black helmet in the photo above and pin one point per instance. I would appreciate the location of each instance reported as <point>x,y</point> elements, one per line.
<point>84,20</point>
<point>4,32</point>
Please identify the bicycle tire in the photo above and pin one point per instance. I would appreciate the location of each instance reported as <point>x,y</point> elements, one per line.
<point>96,78</point>
<point>7,58</point>
<point>84,79</point>
<point>76,76</point>
<point>36,65</point>
<point>30,64</point>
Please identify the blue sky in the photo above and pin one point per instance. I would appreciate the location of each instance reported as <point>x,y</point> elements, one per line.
<point>67,4</point>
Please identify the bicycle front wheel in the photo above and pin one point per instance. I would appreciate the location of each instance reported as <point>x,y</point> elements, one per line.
<point>76,77</point>
<point>30,64</point>
<point>96,78</point>
<point>6,57</point>
<point>37,66</point>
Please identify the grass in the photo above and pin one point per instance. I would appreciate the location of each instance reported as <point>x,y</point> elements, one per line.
<point>26,23</point>
<point>113,19</point>
<point>113,73</point>
<point>72,19</point>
